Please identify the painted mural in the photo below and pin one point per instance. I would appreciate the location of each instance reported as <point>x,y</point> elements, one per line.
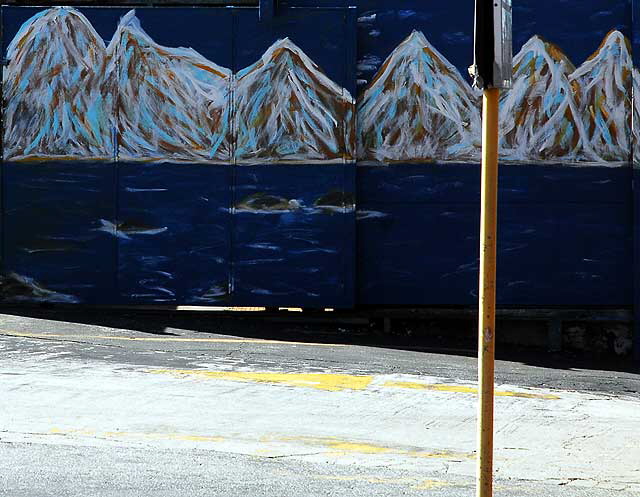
<point>418,108</point>
<point>566,146</point>
<point>137,171</point>
<point>56,100</point>
<point>79,99</point>
<point>117,158</point>
<point>288,110</point>
<point>67,95</point>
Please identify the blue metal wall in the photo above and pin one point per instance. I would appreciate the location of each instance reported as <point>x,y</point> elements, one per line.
<point>150,225</point>
<point>353,210</point>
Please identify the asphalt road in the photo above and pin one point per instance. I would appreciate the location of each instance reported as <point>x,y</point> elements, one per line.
<point>145,405</point>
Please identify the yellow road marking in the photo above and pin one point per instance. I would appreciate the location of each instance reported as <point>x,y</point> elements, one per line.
<point>335,382</point>
<point>411,482</point>
<point>430,484</point>
<point>368,479</point>
<point>464,389</point>
<point>144,436</point>
<point>319,381</point>
<point>167,339</point>
<point>343,447</point>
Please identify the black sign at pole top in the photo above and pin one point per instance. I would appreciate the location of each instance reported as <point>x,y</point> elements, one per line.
<point>492,64</point>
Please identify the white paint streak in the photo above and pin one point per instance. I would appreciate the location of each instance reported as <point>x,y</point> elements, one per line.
<point>418,108</point>
<point>70,97</point>
<point>287,109</point>
<point>171,103</point>
<point>55,90</point>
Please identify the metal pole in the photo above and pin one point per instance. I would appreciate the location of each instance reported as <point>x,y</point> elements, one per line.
<point>487,296</point>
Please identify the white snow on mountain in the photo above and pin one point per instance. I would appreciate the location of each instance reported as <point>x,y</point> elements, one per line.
<point>56,103</point>
<point>636,116</point>
<point>602,86</point>
<point>287,109</point>
<point>418,108</point>
<point>68,96</point>
<point>538,115</point>
<point>171,103</point>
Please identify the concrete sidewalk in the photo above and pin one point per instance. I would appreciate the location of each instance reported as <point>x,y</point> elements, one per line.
<point>333,423</point>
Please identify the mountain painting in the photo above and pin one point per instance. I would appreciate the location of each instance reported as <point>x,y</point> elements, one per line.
<point>418,108</point>
<point>204,156</point>
<point>57,100</point>
<point>67,95</point>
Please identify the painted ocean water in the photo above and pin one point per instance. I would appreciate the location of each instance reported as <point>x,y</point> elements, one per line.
<point>286,235</point>
<point>179,233</point>
<point>565,235</point>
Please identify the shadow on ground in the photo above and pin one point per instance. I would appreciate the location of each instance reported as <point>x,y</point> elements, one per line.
<point>518,341</point>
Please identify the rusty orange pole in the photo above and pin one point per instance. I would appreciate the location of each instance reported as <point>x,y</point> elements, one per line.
<point>487,295</point>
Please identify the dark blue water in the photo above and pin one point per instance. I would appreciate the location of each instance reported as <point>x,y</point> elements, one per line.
<point>565,235</point>
<point>174,233</point>
<point>52,245</point>
<point>304,256</point>
<point>165,233</point>
<point>270,235</point>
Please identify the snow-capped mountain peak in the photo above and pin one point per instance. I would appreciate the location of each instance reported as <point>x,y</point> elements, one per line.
<point>551,53</point>
<point>288,109</point>
<point>602,86</point>
<point>56,102</point>
<point>286,52</point>
<point>615,43</point>
<point>61,20</point>
<point>418,107</point>
<point>416,39</point>
<point>129,20</point>
<point>173,103</point>
<point>130,27</point>
<point>539,116</point>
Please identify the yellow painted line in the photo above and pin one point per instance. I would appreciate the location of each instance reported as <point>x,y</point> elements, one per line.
<point>340,447</point>
<point>319,381</point>
<point>464,389</point>
<point>410,482</point>
<point>134,435</point>
<point>167,339</point>
<point>431,484</point>
<point>368,479</point>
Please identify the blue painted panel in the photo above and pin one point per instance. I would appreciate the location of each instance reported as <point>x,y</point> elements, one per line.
<point>172,103</point>
<point>418,222</point>
<point>293,226</point>
<point>550,254</point>
<point>437,183</point>
<point>417,254</point>
<point>293,235</point>
<point>173,233</point>
<point>55,243</point>
<point>571,254</point>
<point>174,238</point>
